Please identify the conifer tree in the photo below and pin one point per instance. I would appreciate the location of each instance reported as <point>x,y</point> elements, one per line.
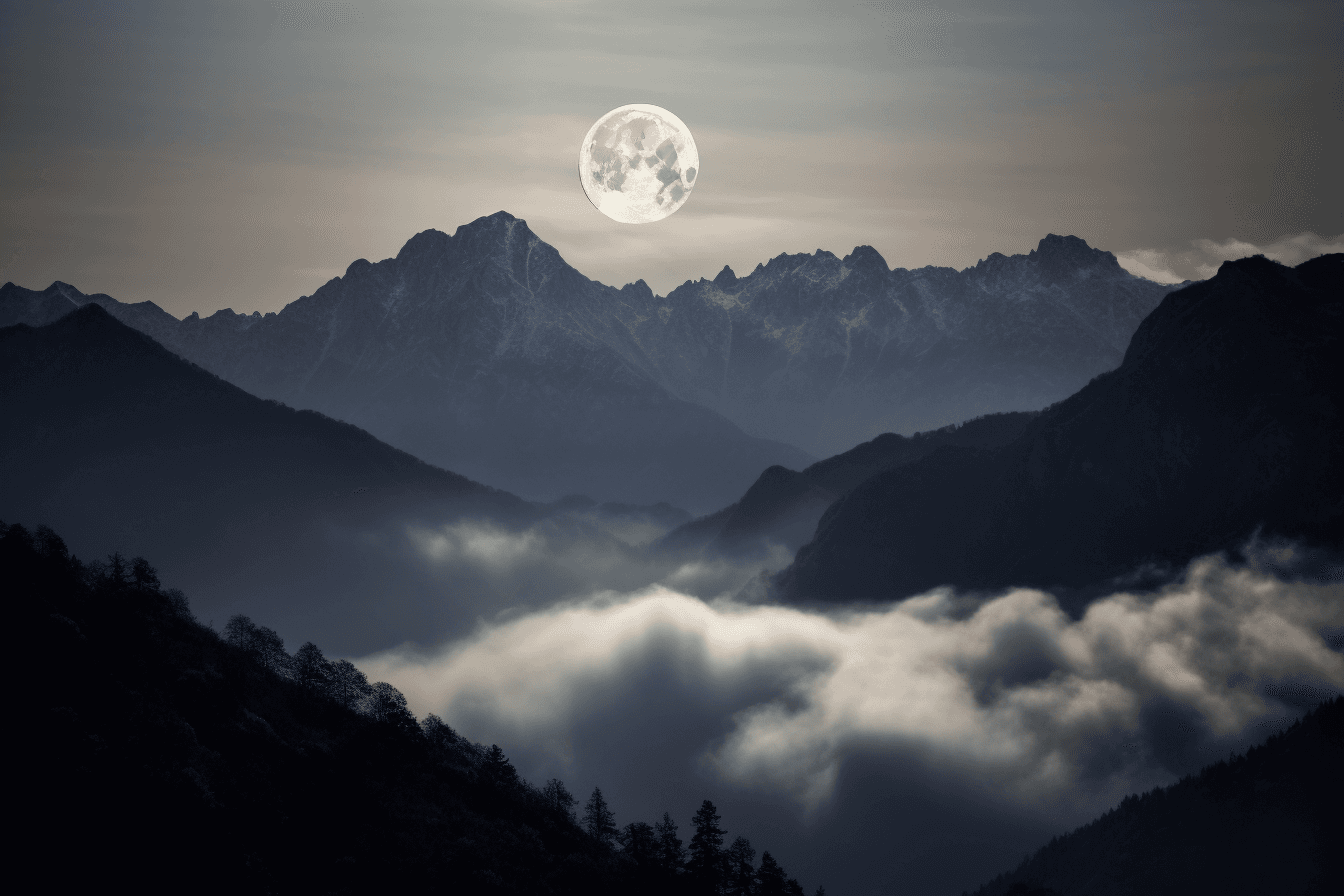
<point>671,852</point>
<point>598,819</point>
<point>770,878</point>
<point>640,843</point>
<point>559,798</point>
<point>705,864</point>
<point>739,868</point>
<point>497,769</point>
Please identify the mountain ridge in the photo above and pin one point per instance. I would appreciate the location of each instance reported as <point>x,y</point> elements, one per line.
<point>482,352</point>
<point>1223,418</point>
<point>122,443</point>
<point>783,507</point>
<point>485,352</point>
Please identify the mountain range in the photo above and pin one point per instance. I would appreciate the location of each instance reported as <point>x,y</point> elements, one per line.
<point>485,353</point>
<point>783,506</point>
<point>1223,420</point>
<point>827,352</point>
<point>126,446</point>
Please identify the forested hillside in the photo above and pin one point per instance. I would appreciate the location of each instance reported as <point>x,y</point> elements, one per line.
<point>164,756</point>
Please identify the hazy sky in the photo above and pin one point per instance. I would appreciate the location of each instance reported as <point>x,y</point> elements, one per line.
<point>239,154</point>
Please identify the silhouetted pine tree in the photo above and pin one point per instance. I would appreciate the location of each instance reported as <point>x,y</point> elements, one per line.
<point>770,878</point>
<point>705,864</point>
<point>639,842</point>
<point>740,868</point>
<point>598,819</point>
<point>558,798</point>
<point>671,851</point>
<point>311,668</point>
<point>496,769</point>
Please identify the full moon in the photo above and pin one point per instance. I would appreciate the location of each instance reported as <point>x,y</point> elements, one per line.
<point>638,164</point>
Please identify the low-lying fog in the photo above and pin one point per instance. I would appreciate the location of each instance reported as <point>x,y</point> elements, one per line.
<point>915,747</point>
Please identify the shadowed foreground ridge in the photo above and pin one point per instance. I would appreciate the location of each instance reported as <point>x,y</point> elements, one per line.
<point>1264,822</point>
<point>165,758</point>
<point>1224,418</point>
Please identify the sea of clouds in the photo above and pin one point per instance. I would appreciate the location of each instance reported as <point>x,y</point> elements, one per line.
<point>1007,692</point>
<point>918,746</point>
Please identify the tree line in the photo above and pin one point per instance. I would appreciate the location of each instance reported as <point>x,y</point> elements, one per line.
<point>171,756</point>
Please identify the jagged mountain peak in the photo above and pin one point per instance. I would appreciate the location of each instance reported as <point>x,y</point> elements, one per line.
<point>864,257</point>
<point>1055,243</point>
<point>725,277</point>
<point>487,235</point>
<point>61,288</point>
<point>1071,253</point>
<point>638,288</point>
<point>425,242</point>
<point>500,224</point>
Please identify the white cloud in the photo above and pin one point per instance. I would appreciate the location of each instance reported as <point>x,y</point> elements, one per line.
<point>1202,260</point>
<point>1018,696</point>
<point>575,555</point>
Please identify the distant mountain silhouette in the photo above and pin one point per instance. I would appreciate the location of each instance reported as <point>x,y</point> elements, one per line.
<point>37,309</point>
<point>484,352</point>
<point>1223,419</point>
<point>782,507</point>
<point>1263,822</point>
<point>167,757</point>
<point>118,441</point>
<point>827,352</point>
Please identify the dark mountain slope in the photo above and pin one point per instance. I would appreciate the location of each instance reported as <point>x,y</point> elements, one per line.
<point>1259,823</point>
<point>782,507</point>
<point>159,757</point>
<point>121,443</point>
<point>1223,418</point>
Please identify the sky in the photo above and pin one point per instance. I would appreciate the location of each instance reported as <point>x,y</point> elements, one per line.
<point>241,154</point>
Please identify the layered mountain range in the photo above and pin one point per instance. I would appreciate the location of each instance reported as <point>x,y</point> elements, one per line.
<point>485,353</point>
<point>126,446</point>
<point>1225,419</point>
<point>826,352</point>
<point>783,506</point>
